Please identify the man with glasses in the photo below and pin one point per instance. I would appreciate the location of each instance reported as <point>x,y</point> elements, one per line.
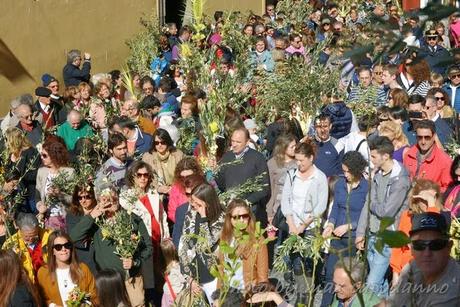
<point>47,112</point>
<point>435,54</point>
<point>365,89</point>
<point>30,243</point>
<point>431,279</point>
<point>270,12</point>
<point>31,128</point>
<point>453,73</point>
<point>443,130</point>
<point>425,159</point>
<point>131,109</point>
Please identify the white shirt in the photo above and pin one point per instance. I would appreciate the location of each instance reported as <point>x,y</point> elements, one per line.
<point>65,283</point>
<point>45,107</point>
<point>350,142</point>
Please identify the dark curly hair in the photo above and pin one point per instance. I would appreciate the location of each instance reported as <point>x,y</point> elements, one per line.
<point>187,163</point>
<point>132,171</point>
<point>355,163</point>
<point>57,151</point>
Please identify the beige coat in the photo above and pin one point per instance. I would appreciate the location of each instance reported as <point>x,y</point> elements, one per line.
<point>164,169</point>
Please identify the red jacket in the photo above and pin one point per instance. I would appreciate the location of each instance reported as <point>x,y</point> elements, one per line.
<point>436,167</point>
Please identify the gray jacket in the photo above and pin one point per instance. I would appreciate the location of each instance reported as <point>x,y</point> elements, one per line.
<point>394,203</point>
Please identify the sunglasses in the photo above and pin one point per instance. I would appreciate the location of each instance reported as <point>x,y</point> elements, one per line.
<point>160,143</point>
<point>44,156</point>
<point>439,98</point>
<point>145,175</point>
<point>241,216</point>
<point>81,197</point>
<point>431,38</point>
<point>455,76</point>
<point>67,246</point>
<point>432,245</point>
<point>424,137</point>
<point>188,194</point>
<point>378,73</point>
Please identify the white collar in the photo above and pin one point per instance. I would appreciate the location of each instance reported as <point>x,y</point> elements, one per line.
<point>44,107</point>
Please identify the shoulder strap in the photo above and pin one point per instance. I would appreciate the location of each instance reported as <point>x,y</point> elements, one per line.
<point>360,143</point>
<point>173,294</point>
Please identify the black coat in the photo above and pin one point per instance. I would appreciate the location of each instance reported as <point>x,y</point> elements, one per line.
<point>230,176</point>
<point>21,297</point>
<point>34,136</point>
<point>73,75</point>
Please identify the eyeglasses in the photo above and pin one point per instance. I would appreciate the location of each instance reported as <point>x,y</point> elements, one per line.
<point>54,86</point>
<point>433,245</point>
<point>424,137</point>
<point>82,197</point>
<point>27,116</point>
<point>431,38</point>
<point>188,194</point>
<point>241,216</point>
<point>160,143</point>
<point>455,76</point>
<point>145,175</point>
<point>44,155</point>
<point>326,24</point>
<point>390,97</point>
<point>67,246</point>
<point>378,73</point>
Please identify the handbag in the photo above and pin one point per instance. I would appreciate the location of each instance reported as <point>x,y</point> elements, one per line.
<point>279,221</point>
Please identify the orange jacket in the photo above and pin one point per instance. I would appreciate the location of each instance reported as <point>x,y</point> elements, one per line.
<point>50,290</point>
<point>436,167</point>
<point>400,256</point>
<point>255,265</point>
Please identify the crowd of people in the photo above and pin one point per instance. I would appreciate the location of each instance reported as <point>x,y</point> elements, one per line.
<point>351,179</point>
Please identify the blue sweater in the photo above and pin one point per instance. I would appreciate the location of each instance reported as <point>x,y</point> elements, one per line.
<point>355,200</point>
<point>328,160</point>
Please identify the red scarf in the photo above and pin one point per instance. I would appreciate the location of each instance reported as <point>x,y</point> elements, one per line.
<point>36,255</point>
<point>156,231</point>
<point>26,127</point>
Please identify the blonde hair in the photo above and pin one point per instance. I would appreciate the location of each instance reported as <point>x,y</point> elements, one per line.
<point>16,141</point>
<point>436,80</point>
<point>395,129</point>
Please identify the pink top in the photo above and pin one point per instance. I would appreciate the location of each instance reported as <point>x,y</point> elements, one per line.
<point>177,197</point>
<point>455,34</point>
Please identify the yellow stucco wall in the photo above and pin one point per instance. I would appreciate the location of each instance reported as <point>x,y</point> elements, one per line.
<point>38,33</point>
<point>35,36</point>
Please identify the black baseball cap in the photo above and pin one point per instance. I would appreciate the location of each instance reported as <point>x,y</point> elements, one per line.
<point>429,221</point>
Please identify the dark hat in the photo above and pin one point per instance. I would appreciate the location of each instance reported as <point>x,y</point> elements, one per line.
<point>431,33</point>
<point>42,92</point>
<point>429,221</point>
<point>47,79</point>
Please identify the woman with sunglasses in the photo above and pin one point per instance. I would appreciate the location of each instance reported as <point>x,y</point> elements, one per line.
<point>163,158</point>
<point>424,197</point>
<point>204,219</point>
<point>442,102</point>
<point>83,203</point>
<point>51,201</point>
<point>252,253</point>
<point>186,167</point>
<point>63,272</point>
<point>141,199</point>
